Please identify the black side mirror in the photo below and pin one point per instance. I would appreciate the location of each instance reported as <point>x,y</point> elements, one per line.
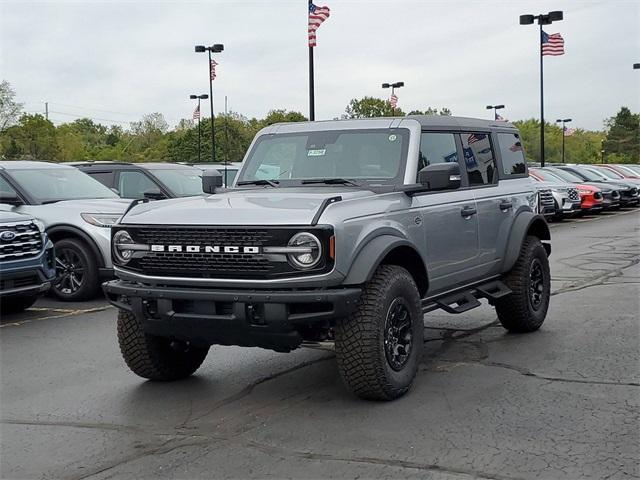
<point>211,179</point>
<point>154,195</point>
<point>10,198</point>
<point>440,176</point>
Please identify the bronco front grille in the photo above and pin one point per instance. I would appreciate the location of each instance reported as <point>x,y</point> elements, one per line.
<point>203,264</point>
<point>26,241</point>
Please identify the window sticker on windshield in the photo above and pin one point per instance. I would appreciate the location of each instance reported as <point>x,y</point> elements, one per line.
<point>392,137</point>
<point>317,152</point>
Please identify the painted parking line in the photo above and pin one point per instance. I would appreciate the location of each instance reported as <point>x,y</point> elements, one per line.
<point>58,313</point>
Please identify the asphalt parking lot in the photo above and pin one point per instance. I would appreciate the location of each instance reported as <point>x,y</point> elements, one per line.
<point>561,403</point>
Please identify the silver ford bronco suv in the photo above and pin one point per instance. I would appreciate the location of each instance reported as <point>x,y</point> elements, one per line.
<point>343,233</point>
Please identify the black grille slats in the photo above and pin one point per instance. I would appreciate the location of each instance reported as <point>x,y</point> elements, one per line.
<point>204,236</point>
<point>26,243</point>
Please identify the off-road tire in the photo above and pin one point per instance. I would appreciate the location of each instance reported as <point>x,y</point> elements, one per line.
<point>153,357</point>
<point>86,261</point>
<point>17,304</point>
<point>360,338</point>
<point>516,311</point>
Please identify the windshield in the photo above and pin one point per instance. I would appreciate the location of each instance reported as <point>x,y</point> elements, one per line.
<point>182,183</point>
<point>566,176</point>
<point>548,176</point>
<point>48,185</point>
<point>372,155</point>
<point>600,174</point>
<point>628,170</point>
<point>635,169</point>
<point>610,174</point>
<point>588,174</point>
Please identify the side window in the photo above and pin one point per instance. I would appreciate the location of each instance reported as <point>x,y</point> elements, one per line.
<point>479,159</point>
<point>134,184</point>
<point>513,162</point>
<point>105,178</point>
<point>436,148</point>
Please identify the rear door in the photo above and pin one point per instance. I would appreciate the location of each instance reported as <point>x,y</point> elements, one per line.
<point>449,218</point>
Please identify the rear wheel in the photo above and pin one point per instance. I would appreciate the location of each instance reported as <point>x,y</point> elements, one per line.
<point>525,309</point>
<point>379,347</point>
<point>76,271</point>
<point>156,358</point>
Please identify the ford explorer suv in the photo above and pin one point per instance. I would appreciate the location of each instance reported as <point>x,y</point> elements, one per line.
<point>77,212</point>
<point>155,181</point>
<point>27,262</point>
<point>361,228</point>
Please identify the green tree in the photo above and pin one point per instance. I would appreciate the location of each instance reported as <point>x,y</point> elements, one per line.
<point>280,116</point>
<point>431,111</point>
<point>33,138</point>
<point>9,109</point>
<point>369,107</point>
<point>623,137</point>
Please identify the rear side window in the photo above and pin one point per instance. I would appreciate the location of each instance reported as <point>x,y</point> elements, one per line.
<point>105,178</point>
<point>436,148</point>
<point>513,162</point>
<point>479,159</point>
<point>134,184</point>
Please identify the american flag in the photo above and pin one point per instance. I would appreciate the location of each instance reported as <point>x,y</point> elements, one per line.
<point>196,113</point>
<point>552,44</point>
<point>213,69</point>
<point>317,15</point>
<point>393,100</point>
<point>475,137</point>
<point>569,131</point>
<point>499,118</point>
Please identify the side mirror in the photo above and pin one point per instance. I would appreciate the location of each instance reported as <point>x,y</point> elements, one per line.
<point>10,198</point>
<point>154,195</point>
<point>440,176</point>
<point>211,179</point>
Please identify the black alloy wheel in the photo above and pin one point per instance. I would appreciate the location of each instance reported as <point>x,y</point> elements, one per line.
<point>398,336</point>
<point>70,271</point>
<point>536,284</point>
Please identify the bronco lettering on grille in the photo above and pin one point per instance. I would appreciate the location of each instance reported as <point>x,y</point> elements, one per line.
<point>204,249</point>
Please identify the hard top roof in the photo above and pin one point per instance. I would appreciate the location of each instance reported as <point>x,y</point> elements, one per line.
<point>145,165</point>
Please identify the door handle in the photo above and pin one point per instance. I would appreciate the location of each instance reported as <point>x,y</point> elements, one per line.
<point>506,205</point>
<point>468,211</point>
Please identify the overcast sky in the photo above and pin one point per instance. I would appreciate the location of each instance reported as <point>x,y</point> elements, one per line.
<point>116,60</point>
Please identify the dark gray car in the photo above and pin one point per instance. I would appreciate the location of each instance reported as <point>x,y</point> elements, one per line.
<point>345,232</point>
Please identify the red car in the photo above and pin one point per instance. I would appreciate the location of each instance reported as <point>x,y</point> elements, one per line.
<point>590,196</point>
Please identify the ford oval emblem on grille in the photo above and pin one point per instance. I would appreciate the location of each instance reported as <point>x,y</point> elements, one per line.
<point>7,236</point>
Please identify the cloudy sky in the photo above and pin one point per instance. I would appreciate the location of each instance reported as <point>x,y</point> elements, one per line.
<point>116,60</point>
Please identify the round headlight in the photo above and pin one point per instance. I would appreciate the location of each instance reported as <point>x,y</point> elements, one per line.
<point>120,241</point>
<point>310,250</point>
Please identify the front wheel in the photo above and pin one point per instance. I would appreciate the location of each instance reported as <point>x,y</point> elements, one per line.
<point>525,309</point>
<point>156,358</point>
<point>76,271</point>
<point>379,347</point>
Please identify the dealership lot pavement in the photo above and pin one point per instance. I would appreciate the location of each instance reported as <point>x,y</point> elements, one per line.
<point>561,403</point>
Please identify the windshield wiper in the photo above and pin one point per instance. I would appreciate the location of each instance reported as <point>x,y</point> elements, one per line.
<point>271,183</point>
<point>331,181</point>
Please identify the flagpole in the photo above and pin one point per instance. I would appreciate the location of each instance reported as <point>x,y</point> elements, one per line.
<point>199,130</point>
<point>312,101</point>
<point>213,136</point>
<point>226,140</point>
<point>541,102</point>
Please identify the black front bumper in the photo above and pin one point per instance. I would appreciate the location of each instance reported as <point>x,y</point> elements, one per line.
<point>264,318</point>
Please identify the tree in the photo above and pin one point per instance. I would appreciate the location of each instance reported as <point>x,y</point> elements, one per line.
<point>33,138</point>
<point>9,109</point>
<point>623,136</point>
<point>431,111</point>
<point>369,107</point>
<point>280,116</point>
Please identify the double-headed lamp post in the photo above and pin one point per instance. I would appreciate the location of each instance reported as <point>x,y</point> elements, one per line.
<point>393,87</point>
<point>495,109</point>
<point>563,121</point>
<point>204,96</point>
<point>216,48</point>
<point>543,19</point>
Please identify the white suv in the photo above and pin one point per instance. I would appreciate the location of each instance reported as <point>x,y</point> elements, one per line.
<point>77,212</point>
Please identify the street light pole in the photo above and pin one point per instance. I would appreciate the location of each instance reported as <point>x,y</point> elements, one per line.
<point>393,90</point>
<point>543,19</point>
<point>495,110</point>
<point>199,97</point>
<point>563,120</point>
<point>216,48</point>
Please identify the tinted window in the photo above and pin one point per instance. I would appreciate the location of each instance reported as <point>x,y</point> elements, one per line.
<point>182,183</point>
<point>134,184</point>
<point>105,178</point>
<point>513,162</point>
<point>479,158</point>
<point>436,148</point>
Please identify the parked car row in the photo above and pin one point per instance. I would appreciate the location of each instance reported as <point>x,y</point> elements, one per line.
<point>72,206</point>
<point>580,189</point>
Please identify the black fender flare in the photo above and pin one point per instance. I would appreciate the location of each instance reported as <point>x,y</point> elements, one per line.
<point>525,223</point>
<point>62,229</point>
<point>371,255</point>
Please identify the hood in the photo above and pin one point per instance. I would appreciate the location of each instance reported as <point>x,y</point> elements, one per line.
<point>107,205</point>
<point>556,186</point>
<point>264,206</point>
<point>605,187</point>
<point>8,217</point>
